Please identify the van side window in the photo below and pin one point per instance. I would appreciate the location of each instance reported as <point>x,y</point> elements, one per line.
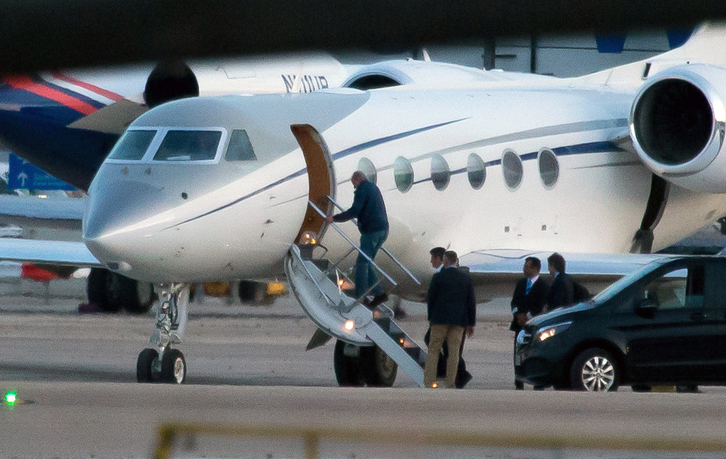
<point>668,292</point>
<point>682,288</point>
<point>696,284</point>
<point>240,148</point>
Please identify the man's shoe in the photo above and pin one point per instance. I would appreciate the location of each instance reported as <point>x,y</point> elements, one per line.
<point>378,299</point>
<point>518,385</point>
<point>89,308</point>
<point>399,313</point>
<point>463,380</point>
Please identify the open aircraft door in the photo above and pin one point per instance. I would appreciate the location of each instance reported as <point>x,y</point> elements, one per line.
<point>321,179</point>
<point>370,346</point>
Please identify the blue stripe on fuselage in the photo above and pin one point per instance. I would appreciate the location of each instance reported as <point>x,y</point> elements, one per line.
<point>585,148</point>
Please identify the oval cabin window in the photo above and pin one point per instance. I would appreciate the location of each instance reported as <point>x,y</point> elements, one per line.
<point>512,169</point>
<point>549,168</point>
<point>403,174</point>
<point>476,171</point>
<point>440,172</point>
<point>366,166</point>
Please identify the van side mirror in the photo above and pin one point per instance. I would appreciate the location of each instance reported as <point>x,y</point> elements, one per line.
<point>646,308</point>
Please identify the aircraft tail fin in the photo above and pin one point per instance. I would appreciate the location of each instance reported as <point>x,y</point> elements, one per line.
<point>706,45</point>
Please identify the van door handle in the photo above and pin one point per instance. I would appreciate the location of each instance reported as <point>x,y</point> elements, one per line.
<point>698,316</point>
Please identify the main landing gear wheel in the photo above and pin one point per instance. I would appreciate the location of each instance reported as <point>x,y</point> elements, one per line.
<point>111,292</point>
<point>347,369</point>
<point>370,367</point>
<point>594,370</point>
<point>379,370</point>
<point>97,286</point>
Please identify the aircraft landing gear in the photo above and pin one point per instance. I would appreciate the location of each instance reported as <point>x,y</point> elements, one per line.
<point>361,366</point>
<point>164,364</point>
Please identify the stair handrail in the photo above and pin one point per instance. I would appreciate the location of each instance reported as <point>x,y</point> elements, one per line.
<point>297,255</point>
<point>395,260</point>
<point>350,241</point>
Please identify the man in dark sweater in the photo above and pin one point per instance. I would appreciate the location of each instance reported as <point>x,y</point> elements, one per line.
<point>451,312</point>
<point>370,210</point>
<point>562,292</point>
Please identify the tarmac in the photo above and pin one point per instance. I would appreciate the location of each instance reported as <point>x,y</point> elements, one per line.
<point>253,391</point>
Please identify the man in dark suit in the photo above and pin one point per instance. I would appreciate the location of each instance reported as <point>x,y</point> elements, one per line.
<point>451,312</point>
<point>530,296</point>
<point>462,375</point>
<point>562,292</point>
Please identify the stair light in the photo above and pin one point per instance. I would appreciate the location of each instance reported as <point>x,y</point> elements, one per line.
<point>349,325</point>
<point>308,238</point>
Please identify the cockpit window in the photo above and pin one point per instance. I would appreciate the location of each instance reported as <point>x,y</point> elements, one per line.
<point>133,145</point>
<point>189,146</point>
<point>240,148</point>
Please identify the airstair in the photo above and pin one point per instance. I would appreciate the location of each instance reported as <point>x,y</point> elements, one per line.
<point>320,287</point>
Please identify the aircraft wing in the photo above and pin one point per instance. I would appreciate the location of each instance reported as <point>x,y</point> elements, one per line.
<point>47,252</point>
<point>495,272</point>
<point>32,211</point>
<point>585,265</point>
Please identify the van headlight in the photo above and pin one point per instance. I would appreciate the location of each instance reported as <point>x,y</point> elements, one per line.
<point>552,330</point>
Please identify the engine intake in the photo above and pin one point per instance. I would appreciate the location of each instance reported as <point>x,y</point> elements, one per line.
<point>170,81</point>
<point>677,126</point>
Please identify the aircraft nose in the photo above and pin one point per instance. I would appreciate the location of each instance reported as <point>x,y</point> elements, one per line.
<point>113,212</point>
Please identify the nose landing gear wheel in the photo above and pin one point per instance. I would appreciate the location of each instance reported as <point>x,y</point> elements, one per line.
<point>144,365</point>
<point>173,367</point>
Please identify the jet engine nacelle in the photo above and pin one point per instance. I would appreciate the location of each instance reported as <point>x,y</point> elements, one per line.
<point>405,72</point>
<point>169,81</point>
<point>677,124</point>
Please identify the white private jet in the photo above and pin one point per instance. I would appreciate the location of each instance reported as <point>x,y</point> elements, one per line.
<point>494,165</point>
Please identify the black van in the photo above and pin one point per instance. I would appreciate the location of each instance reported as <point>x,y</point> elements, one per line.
<point>663,324</point>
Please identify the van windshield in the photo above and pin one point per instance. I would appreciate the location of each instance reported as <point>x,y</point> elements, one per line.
<point>624,282</point>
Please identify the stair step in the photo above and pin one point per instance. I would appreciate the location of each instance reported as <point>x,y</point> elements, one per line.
<point>331,309</point>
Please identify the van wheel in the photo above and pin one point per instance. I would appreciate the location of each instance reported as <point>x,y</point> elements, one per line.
<point>594,370</point>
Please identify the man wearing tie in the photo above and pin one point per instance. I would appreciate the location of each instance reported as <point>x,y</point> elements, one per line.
<point>529,299</point>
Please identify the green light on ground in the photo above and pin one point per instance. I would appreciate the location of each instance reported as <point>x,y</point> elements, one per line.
<point>11,398</point>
